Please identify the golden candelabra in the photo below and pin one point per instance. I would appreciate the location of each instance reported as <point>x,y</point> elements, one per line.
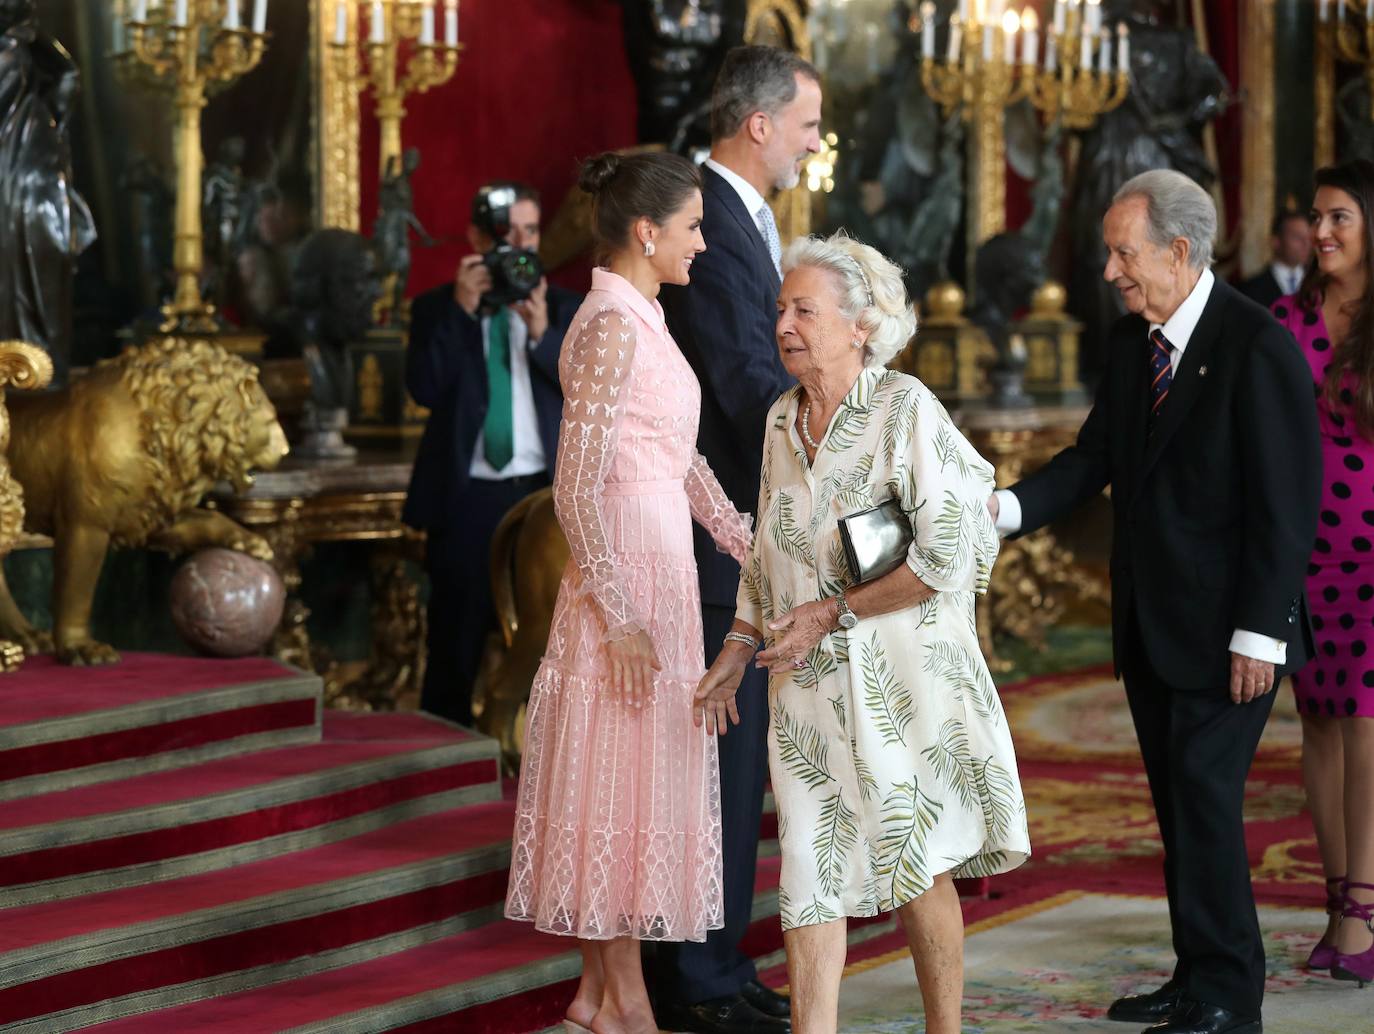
<point>432,61</point>
<point>994,59</point>
<point>184,47</point>
<point>1345,34</point>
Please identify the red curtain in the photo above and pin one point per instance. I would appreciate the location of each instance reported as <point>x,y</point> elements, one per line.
<point>540,85</point>
<point>1223,41</point>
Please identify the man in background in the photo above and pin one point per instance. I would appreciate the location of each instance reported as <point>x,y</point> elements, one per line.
<point>483,357</point>
<point>1292,251</point>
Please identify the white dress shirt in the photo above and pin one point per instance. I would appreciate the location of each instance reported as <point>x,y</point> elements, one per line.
<point>1289,278</point>
<point>1178,331</point>
<point>528,457</point>
<point>753,200</point>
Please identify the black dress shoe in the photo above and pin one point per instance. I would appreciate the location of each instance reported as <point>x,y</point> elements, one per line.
<point>766,1000</point>
<point>731,1015</point>
<point>1147,1008</point>
<point>1201,1018</point>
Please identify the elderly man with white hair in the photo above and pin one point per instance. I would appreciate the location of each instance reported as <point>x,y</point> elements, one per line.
<point>1204,428</point>
<point>891,759</point>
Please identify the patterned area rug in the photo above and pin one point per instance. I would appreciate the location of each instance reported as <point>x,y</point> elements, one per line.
<point>1056,966</point>
<point>1084,920</point>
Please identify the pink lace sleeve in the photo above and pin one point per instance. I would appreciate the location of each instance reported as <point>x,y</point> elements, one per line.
<point>732,530</point>
<point>595,371</point>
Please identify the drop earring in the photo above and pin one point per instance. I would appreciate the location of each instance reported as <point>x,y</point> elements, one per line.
<point>648,249</point>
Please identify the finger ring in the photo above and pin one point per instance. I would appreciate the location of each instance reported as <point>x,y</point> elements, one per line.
<point>799,663</point>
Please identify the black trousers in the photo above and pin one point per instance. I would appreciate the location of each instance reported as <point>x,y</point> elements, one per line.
<point>458,561</point>
<point>715,968</point>
<point>1198,747</point>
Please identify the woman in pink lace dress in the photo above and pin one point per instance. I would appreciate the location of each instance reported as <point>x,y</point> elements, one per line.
<point>617,829</point>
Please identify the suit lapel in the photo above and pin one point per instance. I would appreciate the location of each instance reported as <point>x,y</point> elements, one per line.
<point>726,196</point>
<point>1189,379</point>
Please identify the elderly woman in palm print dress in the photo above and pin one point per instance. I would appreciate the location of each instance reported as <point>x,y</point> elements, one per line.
<point>890,756</point>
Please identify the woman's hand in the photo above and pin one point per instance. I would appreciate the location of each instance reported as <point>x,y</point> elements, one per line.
<point>796,634</point>
<point>715,695</point>
<point>633,664</point>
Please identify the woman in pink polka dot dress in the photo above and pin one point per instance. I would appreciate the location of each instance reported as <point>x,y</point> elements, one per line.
<point>1332,318</point>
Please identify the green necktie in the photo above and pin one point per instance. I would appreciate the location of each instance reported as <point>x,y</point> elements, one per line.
<point>498,432</point>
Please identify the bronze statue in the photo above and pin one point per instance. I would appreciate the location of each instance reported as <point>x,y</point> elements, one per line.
<point>675,48</point>
<point>334,286</point>
<point>44,222</point>
<point>395,220</point>
<point>161,425</point>
<point>1176,90</point>
<point>222,202</point>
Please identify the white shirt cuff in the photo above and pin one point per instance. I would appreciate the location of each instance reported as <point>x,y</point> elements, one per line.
<point>1260,647</point>
<point>1008,512</point>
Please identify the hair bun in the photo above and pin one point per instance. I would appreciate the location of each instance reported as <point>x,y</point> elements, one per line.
<point>598,171</point>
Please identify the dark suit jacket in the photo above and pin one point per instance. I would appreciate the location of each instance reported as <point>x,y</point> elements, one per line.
<point>446,370</point>
<point>1263,288</point>
<point>1215,514</point>
<point>723,322</point>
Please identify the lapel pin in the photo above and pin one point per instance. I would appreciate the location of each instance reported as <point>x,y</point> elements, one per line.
<point>1202,371</point>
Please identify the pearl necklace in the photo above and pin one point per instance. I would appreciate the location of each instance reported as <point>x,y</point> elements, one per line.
<point>806,429</point>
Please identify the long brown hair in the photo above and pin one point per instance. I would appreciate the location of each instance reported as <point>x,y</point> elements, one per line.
<point>1355,352</point>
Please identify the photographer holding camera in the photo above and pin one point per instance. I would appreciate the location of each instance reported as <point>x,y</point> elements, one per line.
<point>483,357</point>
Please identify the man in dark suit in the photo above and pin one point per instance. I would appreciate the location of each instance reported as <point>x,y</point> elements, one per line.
<point>1204,428</point>
<point>765,122</point>
<point>489,375</point>
<point>1292,250</point>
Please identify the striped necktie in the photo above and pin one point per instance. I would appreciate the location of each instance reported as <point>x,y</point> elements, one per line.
<point>1161,374</point>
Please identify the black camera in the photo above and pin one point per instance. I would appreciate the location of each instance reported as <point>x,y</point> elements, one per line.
<point>515,272</point>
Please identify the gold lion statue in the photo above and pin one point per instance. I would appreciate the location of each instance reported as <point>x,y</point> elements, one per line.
<point>123,457</point>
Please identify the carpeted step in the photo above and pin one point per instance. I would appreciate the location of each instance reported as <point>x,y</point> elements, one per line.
<point>370,770</point>
<point>63,727</point>
<point>501,978</point>
<point>65,964</point>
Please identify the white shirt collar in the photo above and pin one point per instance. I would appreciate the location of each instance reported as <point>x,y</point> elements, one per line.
<point>1179,327</point>
<point>752,199</point>
<point>1286,275</point>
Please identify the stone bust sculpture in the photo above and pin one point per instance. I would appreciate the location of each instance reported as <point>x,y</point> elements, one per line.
<point>334,285</point>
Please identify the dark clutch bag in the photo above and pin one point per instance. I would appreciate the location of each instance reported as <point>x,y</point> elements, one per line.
<point>875,540</point>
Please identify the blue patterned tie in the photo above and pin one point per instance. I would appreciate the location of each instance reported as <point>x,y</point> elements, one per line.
<point>769,229</point>
<point>1161,374</point>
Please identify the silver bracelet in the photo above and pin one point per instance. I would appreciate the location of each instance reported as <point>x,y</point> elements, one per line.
<point>740,637</point>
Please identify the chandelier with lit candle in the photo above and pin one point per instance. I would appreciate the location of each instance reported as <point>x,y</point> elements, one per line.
<point>1073,79</point>
<point>184,47</point>
<point>431,63</point>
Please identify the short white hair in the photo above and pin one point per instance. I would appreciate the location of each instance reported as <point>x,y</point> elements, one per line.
<point>1175,206</point>
<point>870,289</point>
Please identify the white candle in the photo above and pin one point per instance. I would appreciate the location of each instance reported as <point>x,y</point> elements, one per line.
<point>963,11</point>
<point>1051,54</point>
<point>1059,17</point>
<point>231,14</point>
<point>1340,12</point>
<point>1094,12</point>
<point>140,10</point>
<point>1085,59</point>
<point>259,16</point>
<point>341,23</point>
<point>995,11</point>
<point>427,24</point>
<point>1322,10</point>
<point>378,27</point>
<point>1104,52</point>
<point>987,44</point>
<point>1369,11</point>
<point>1123,47</point>
<point>956,36</point>
<point>1010,23</point>
<point>451,23</point>
<point>1030,36</point>
<point>179,14</point>
<point>927,31</point>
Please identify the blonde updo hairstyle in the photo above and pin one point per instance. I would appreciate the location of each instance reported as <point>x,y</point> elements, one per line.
<point>870,290</point>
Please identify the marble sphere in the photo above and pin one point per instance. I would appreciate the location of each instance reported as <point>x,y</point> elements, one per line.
<point>227,603</point>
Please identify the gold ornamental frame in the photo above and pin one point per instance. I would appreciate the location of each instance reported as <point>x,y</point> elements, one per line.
<point>1257,182</point>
